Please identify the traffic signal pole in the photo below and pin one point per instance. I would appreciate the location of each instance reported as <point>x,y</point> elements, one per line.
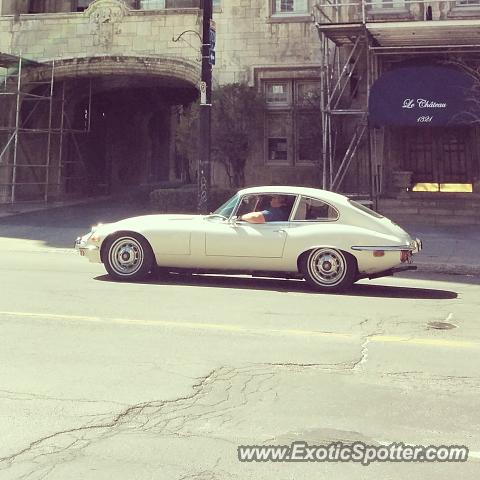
<point>208,57</point>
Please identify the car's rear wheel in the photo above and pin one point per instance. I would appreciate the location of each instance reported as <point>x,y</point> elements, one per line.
<point>128,256</point>
<point>328,269</point>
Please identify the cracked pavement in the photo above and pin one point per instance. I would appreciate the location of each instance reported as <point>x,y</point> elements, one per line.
<point>163,380</point>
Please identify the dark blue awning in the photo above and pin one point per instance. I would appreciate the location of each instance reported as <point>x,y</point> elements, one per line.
<point>423,96</point>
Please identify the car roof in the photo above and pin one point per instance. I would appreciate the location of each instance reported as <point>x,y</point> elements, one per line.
<point>307,191</point>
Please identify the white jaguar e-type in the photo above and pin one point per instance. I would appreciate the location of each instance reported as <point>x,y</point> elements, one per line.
<point>328,239</point>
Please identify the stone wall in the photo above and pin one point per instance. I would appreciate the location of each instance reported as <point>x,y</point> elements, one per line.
<point>119,40</point>
<point>97,32</point>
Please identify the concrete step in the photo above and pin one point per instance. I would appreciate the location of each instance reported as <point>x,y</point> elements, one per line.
<point>432,210</point>
<point>432,219</point>
<point>441,212</point>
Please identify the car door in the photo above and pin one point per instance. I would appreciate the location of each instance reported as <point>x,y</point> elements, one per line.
<point>243,239</point>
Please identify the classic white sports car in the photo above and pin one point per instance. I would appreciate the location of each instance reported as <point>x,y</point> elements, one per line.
<point>327,238</point>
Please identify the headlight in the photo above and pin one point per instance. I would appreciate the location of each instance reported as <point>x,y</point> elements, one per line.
<point>96,227</point>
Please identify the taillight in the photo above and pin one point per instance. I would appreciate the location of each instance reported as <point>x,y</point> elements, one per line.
<point>404,256</point>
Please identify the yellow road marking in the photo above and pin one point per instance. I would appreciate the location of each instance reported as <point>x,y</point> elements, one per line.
<point>247,330</point>
<point>424,341</point>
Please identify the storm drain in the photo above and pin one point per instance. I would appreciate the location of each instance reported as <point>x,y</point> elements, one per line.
<point>441,325</point>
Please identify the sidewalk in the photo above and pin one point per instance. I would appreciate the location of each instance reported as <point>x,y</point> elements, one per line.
<point>446,249</point>
<point>7,210</point>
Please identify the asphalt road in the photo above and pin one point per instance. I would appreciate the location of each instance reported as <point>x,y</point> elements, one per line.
<point>165,379</point>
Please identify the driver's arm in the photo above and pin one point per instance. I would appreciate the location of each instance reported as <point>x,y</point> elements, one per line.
<point>252,217</point>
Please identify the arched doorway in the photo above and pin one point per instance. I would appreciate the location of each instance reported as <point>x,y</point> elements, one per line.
<point>105,129</point>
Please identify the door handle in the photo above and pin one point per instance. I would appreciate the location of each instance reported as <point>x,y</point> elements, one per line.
<point>279,231</point>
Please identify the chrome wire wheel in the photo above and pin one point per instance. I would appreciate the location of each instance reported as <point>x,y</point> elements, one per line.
<point>126,256</point>
<point>328,269</point>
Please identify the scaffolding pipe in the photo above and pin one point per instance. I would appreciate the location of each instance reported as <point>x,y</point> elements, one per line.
<point>17,124</point>
<point>6,146</point>
<point>41,173</point>
<point>89,105</point>
<point>322,109</point>
<point>347,159</point>
<point>347,62</point>
<point>426,47</point>
<point>328,129</point>
<point>373,196</point>
<point>60,148</point>
<point>49,138</point>
<point>349,76</point>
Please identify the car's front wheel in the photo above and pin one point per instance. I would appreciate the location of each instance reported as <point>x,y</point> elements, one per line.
<point>128,256</point>
<point>328,269</point>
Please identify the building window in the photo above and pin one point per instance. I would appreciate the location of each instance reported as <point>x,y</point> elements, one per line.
<point>387,4</point>
<point>307,136</point>
<point>278,126</point>
<point>163,4</point>
<point>81,5</point>
<point>468,3</point>
<point>292,122</point>
<point>152,4</point>
<point>277,94</point>
<point>36,6</point>
<point>289,7</point>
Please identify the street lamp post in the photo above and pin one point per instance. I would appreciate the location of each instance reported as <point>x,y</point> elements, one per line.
<point>208,58</point>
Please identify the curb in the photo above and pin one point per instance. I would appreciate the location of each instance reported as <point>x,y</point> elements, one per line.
<point>49,206</point>
<point>449,269</point>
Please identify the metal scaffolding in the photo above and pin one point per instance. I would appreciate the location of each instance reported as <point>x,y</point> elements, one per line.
<point>357,39</point>
<point>343,99</point>
<point>34,126</point>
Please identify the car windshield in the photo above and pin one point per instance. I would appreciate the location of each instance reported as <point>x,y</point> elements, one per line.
<point>365,209</point>
<point>227,208</point>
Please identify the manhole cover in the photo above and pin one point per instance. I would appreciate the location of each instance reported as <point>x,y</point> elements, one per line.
<point>441,325</point>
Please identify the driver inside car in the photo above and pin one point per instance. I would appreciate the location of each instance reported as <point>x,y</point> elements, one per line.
<point>276,212</point>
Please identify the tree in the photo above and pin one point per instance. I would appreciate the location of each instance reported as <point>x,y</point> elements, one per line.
<point>470,115</point>
<point>237,120</point>
<point>186,140</point>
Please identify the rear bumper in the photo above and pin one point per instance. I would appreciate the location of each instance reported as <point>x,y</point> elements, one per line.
<point>388,273</point>
<point>414,246</point>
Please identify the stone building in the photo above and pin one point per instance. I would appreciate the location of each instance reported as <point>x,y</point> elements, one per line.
<point>91,90</point>
<point>401,106</point>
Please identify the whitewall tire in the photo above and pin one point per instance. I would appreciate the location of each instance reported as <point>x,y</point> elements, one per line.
<point>328,269</point>
<point>128,257</point>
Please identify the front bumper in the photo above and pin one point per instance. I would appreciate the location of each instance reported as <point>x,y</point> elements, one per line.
<point>86,249</point>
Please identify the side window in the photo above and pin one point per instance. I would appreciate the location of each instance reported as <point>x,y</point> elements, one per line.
<point>315,210</point>
<point>247,205</point>
<point>281,204</point>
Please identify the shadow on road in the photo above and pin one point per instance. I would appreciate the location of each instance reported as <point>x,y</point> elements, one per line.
<point>286,286</point>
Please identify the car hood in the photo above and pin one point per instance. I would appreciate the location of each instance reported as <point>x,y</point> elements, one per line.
<point>145,222</point>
